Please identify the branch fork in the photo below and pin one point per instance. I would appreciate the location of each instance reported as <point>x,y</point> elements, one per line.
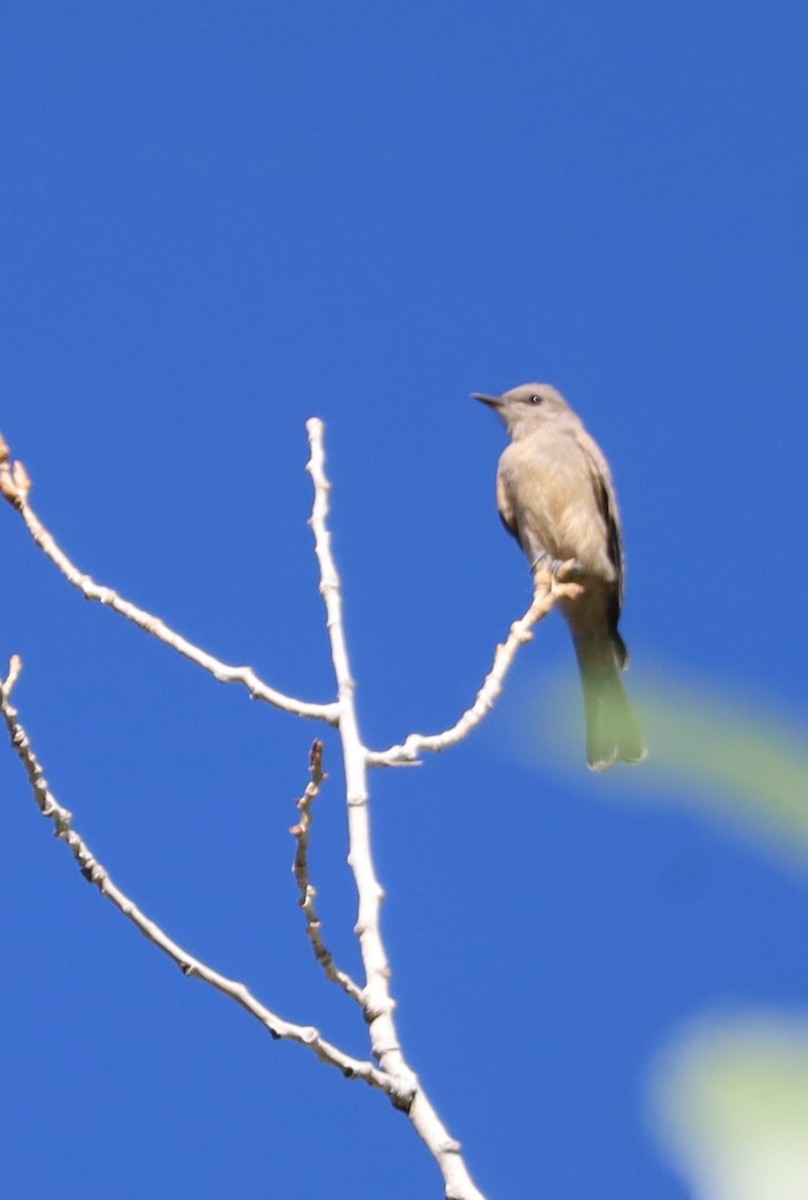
<point>388,1070</point>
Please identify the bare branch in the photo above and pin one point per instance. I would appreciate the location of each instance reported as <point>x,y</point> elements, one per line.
<point>95,873</point>
<point>308,892</point>
<point>393,1075</point>
<point>548,591</point>
<point>379,1003</point>
<point>15,486</point>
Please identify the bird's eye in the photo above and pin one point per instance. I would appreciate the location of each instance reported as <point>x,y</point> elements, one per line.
<point>535,398</point>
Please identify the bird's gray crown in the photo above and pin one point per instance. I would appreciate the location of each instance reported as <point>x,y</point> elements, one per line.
<point>526,407</point>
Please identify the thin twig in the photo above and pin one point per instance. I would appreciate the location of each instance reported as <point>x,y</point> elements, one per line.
<point>15,486</point>
<point>379,1003</point>
<point>308,892</point>
<point>95,873</point>
<point>544,599</point>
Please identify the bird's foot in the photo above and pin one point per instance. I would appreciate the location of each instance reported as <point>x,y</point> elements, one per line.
<point>558,576</point>
<point>546,562</point>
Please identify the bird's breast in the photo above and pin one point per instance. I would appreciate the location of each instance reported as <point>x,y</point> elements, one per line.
<point>548,486</point>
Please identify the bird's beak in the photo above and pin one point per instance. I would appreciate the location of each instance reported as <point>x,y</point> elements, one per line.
<point>491,401</point>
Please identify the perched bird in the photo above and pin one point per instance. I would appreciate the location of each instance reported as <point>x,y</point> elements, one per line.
<point>555,495</point>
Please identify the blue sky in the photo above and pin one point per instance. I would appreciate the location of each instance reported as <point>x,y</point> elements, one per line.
<point>220,220</point>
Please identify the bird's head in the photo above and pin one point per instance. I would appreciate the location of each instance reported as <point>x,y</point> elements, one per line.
<point>526,407</point>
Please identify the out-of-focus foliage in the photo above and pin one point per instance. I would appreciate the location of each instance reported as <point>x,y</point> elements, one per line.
<point>729,1096</point>
<point>730,1104</point>
<point>743,762</point>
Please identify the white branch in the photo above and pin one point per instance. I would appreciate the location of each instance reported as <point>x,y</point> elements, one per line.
<point>394,1076</point>
<point>95,873</point>
<point>308,892</point>
<point>15,486</point>
<point>548,591</point>
<point>378,1001</point>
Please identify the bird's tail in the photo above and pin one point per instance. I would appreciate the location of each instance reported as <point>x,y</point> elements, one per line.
<point>613,732</point>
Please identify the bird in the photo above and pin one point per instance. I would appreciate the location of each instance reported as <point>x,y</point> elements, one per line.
<point>555,496</point>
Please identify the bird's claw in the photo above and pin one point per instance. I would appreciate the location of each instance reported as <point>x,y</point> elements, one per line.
<point>560,569</point>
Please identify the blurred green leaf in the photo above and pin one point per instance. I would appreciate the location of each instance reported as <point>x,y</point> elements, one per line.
<point>720,754</point>
<point>729,1102</point>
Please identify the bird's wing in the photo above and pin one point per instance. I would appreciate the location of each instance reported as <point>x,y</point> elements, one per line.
<point>603,488</point>
<point>505,504</point>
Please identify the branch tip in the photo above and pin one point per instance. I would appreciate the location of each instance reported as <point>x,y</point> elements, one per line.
<point>94,872</point>
<point>15,485</point>
<point>307,892</point>
<point>14,672</point>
